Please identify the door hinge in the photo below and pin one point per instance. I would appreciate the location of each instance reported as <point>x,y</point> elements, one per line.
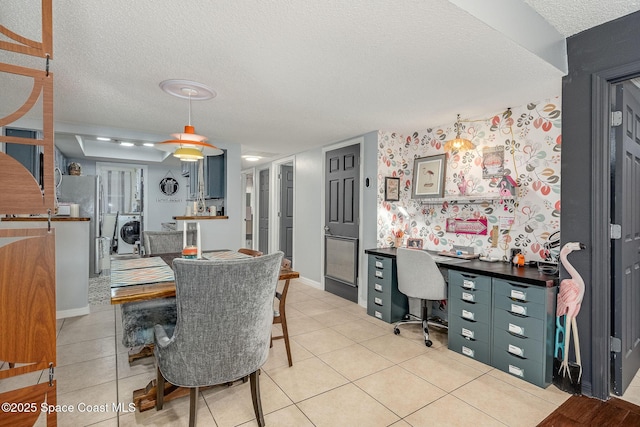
<point>615,344</point>
<point>616,118</point>
<point>615,231</point>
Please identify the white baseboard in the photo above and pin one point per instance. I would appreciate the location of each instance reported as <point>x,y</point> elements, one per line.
<point>63,314</point>
<point>311,283</point>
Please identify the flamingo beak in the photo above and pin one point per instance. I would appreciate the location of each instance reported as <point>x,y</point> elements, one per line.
<point>582,246</point>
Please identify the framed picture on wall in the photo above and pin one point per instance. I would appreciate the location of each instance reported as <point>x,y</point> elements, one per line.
<point>428,176</point>
<point>391,189</point>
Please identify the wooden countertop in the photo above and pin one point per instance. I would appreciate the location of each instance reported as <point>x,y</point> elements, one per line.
<point>44,218</point>
<point>199,218</point>
<point>501,270</point>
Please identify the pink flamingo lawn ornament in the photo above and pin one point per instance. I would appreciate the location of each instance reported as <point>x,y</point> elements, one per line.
<point>569,301</point>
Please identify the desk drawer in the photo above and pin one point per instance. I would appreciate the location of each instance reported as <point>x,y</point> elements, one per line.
<point>532,371</point>
<point>528,327</point>
<point>526,309</point>
<point>470,281</point>
<point>478,350</point>
<point>381,269</point>
<point>524,348</point>
<point>457,292</point>
<point>470,311</point>
<point>475,331</point>
<point>519,291</point>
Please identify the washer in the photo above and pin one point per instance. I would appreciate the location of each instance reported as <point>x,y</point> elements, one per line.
<point>128,232</point>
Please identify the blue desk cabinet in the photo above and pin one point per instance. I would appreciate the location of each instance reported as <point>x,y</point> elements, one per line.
<point>470,315</point>
<point>384,300</point>
<point>523,330</point>
<point>506,324</point>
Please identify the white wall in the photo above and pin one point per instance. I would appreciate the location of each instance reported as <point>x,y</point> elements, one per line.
<point>307,234</point>
<point>163,208</point>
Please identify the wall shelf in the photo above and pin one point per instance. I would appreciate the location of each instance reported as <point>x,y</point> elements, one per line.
<point>472,199</point>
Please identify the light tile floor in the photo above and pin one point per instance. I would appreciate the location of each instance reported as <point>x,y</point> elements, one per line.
<point>349,370</point>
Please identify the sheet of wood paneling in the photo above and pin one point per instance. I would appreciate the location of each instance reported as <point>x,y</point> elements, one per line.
<point>27,299</point>
<point>27,403</point>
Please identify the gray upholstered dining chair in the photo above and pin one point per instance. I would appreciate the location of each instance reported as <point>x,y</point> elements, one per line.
<point>164,242</point>
<point>420,279</point>
<point>225,313</point>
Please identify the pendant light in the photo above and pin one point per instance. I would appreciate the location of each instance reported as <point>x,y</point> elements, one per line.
<point>458,144</point>
<point>188,146</point>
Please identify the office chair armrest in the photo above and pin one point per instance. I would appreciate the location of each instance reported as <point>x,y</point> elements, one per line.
<point>162,340</point>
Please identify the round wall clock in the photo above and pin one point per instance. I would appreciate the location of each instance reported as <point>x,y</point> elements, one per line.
<point>169,186</point>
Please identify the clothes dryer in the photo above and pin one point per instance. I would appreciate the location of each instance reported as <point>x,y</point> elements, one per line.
<point>128,232</point>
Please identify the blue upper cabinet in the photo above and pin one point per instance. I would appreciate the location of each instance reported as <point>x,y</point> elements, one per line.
<point>216,174</point>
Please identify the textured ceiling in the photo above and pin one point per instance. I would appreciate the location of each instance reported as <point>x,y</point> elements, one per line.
<point>290,75</point>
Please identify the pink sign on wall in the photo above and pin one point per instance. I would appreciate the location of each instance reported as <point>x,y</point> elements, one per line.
<point>467,226</point>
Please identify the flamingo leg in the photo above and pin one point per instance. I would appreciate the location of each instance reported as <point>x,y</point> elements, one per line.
<point>576,342</point>
<point>564,366</point>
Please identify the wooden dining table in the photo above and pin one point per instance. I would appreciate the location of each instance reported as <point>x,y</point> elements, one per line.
<point>145,398</point>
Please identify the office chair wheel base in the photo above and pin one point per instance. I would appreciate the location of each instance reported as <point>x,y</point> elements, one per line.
<point>428,343</point>
<point>396,331</point>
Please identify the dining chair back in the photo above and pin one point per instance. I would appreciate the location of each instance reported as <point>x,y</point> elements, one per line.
<point>225,316</point>
<point>280,316</point>
<point>164,242</point>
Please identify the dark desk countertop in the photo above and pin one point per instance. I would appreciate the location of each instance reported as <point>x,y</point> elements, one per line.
<point>501,270</point>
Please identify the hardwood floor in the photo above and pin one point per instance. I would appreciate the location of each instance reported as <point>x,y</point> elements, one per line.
<point>585,411</point>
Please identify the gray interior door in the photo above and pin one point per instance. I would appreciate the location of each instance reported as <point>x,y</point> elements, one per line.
<point>626,250</point>
<point>286,211</point>
<point>342,201</point>
<point>263,212</point>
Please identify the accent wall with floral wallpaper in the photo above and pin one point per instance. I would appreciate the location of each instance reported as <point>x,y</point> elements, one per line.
<point>525,144</point>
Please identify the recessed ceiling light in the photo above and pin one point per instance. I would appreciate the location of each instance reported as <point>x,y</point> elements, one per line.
<point>251,158</point>
<point>101,138</point>
<point>148,144</point>
<point>127,144</point>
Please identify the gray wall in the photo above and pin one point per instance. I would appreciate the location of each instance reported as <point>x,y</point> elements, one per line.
<point>596,50</point>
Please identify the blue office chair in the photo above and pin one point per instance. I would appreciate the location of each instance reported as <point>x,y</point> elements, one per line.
<point>420,279</point>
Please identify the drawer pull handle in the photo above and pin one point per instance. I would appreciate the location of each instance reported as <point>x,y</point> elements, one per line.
<point>470,315</point>
<point>516,329</point>
<point>520,295</point>
<point>379,274</point>
<point>377,287</point>
<point>516,351</point>
<point>378,301</point>
<point>468,320</point>
<point>468,352</point>
<point>517,335</point>
<point>468,333</point>
<point>379,264</point>
<point>468,284</point>
<point>518,309</point>
<point>377,314</point>
<point>514,370</point>
<point>518,285</point>
<point>466,296</point>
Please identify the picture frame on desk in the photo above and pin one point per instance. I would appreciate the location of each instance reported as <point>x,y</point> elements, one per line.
<point>391,189</point>
<point>428,177</point>
<point>414,243</point>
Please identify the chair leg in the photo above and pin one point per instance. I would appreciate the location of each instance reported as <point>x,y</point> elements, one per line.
<point>285,333</point>
<point>255,396</point>
<point>159,389</point>
<point>193,406</point>
<point>425,327</point>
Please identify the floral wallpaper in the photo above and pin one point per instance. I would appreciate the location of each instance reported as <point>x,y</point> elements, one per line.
<point>527,138</point>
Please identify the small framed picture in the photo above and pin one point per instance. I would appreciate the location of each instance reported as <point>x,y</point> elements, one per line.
<point>428,176</point>
<point>413,243</point>
<point>391,189</point>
